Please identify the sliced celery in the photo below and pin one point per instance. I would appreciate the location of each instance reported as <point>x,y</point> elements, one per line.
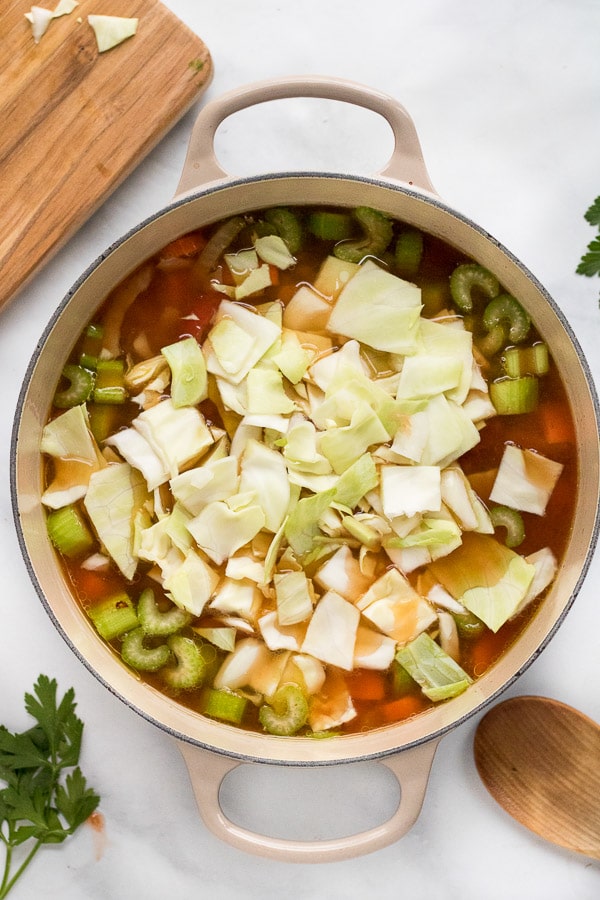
<point>287,225</point>
<point>114,616</point>
<point>329,225</point>
<point>225,705</point>
<point>408,252</point>
<point>69,532</point>
<point>103,420</point>
<point>402,682</point>
<point>512,521</point>
<point>514,396</point>
<point>145,659</point>
<point>505,310</point>
<point>110,382</point>
<point>377,229</point>
<point>526,360</point>
<point>81,384</point>
<point>439,676</point>
<point>286,713</point>
<point>155,622</point>
<point>469,278</point>
<point>91,347</point>
<point>190,670</point>
<point>468,625</point>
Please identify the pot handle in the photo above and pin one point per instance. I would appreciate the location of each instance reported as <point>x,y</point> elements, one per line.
<point>207,771</point>
<point>406,163</point>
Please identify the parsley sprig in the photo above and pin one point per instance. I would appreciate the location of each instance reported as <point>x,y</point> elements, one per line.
<point>45,797</point>
<point>590,261</point>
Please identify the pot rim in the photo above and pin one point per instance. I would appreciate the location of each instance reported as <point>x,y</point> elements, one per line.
<point>377,743</point>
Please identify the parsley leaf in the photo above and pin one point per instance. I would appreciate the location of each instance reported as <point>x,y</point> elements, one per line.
<point>45,797</point>
<point>589,264</point>
<point>590,261</point>
<point>593,213</point>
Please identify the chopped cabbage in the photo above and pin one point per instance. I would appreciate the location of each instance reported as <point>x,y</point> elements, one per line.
<point>378,309</point>
<point>114,496</point>
<point>331,632</point>
<point>525,480</point>
<point>110,31</point>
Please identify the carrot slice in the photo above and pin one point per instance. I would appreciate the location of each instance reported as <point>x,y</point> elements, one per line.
<point>93,585</point>
<point>404,707</point>
<point>186,245</point>
<point>366,684</point>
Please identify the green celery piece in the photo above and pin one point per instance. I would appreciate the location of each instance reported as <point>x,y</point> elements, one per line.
<point>81,383</point>
<point>69,532</point>
<point>224,705</point>
<point>190,670</point>
<point>438,675</point>
<point>141,658</point>
<point>515,396</point>
<point>113,616</point>
<point>526,360</point>
<point>287,711</point>
<point>156,622</point>
<point>109,386</point>
<point>189,382</point>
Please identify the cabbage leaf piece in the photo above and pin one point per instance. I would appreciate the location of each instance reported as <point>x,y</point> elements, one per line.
<point>331,632</point>
<point>238,339</point>
<point>488,578</point>
<point>395,607</point>
<point>525,480</point>
<point>191,585</point>
<point>302,524</point>
<point>68,439</point>
<point>189,384</point>
<point>378,309</point>
<point>438,675</point>
<point>115,494</point>
<point>223,526</point>
<point>110,31</point>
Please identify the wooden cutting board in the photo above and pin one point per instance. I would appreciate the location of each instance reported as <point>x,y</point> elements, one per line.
<point>74,123</point>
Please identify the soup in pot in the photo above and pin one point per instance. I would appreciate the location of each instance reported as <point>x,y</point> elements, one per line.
<point>309,470</point>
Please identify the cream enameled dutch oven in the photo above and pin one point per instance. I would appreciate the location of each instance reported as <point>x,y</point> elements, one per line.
<point>207,194</point>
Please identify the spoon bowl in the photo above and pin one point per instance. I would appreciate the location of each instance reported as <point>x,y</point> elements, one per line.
<point>540,760</point>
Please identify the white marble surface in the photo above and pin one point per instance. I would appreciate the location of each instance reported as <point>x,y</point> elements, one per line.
<point>505,97</point>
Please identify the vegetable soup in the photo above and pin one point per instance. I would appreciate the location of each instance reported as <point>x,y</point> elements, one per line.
<point>309,470</point>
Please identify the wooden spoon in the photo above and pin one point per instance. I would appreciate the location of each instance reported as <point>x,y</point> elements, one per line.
<point>540,760</point>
